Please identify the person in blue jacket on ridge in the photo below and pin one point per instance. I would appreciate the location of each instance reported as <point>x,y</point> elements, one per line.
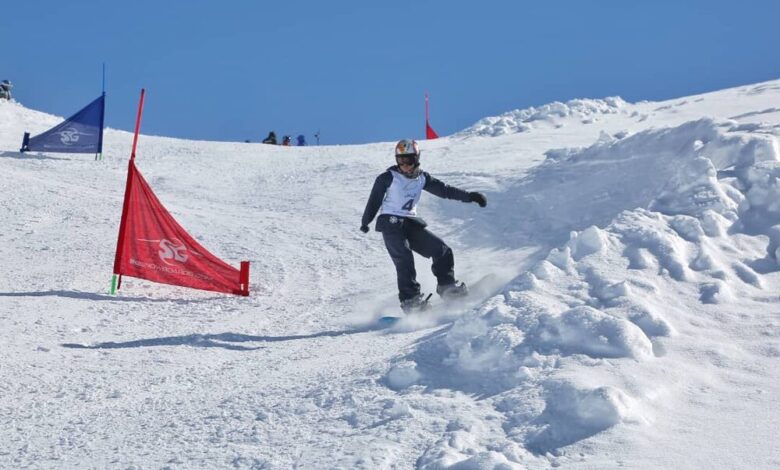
<point>395,196</point>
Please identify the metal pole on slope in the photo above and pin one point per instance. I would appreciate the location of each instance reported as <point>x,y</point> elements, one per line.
<point>426,108</point>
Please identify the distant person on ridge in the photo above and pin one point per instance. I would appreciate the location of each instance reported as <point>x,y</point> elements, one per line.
<point>271,139</point>
<point>301,140</point>
<point>5,90</point>
<point>286,140</point>
<point>395,195</point>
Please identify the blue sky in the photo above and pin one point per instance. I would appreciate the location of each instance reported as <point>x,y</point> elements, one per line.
<point>357,71</point>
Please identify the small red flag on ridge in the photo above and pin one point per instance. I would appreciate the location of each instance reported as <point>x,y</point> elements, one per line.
<point>153,246</point>
<point>429,132</point>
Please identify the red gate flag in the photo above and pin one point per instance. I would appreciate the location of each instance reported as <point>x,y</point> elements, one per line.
<point>429,132</point>
<point>153,246</point>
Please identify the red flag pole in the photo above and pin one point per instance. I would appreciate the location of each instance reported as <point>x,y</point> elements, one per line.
<point>138,123</point>
<point>429,132</point>
<point>116,283</point>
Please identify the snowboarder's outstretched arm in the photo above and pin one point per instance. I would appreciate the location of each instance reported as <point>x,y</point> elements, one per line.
<point>381,184</point>
<point>438,188</point>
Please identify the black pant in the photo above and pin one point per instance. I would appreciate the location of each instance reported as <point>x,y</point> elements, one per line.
<point>403,238</point>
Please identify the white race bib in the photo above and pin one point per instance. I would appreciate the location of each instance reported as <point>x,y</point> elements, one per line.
<point>402,196</point>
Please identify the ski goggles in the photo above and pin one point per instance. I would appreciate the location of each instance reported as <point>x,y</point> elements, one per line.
<point>406,159</point>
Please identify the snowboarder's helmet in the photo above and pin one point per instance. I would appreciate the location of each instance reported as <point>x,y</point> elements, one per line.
<point>407,150</point>
<point>406,147</point>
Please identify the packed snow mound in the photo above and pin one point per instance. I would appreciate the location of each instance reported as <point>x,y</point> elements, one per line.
<point>585,111</point>
<point>678,207</point>
<point>671,171</point>
<point>585,330</point>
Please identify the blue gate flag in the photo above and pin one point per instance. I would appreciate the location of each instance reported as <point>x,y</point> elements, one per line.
<point>80,133</point>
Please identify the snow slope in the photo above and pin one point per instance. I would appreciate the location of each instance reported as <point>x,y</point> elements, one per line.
<point>632,320</point>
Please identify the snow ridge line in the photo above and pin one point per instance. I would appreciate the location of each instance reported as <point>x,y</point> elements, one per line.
<point>522,120</point>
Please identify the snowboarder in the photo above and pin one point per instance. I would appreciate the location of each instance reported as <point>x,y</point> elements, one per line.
<point>286,141</point>
<point>395,195</point>
<point>271,139</point>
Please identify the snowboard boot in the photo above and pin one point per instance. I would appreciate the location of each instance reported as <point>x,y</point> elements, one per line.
<point>452,291</point>
<point>417,303</point>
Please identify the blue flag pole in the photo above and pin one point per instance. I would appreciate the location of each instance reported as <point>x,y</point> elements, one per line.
<point>99,154</point>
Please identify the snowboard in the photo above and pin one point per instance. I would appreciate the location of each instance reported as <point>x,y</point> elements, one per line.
<point>480,289</point>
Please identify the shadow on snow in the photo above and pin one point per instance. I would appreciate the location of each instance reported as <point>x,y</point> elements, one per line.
<point>94,296</point>
<point>22,156</point>
<point>219,340</point>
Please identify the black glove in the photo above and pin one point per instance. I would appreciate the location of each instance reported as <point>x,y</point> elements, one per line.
<point>364,228</point>
<point>479,198</point>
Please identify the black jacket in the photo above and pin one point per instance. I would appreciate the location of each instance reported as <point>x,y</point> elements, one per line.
<point>383,181</point>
